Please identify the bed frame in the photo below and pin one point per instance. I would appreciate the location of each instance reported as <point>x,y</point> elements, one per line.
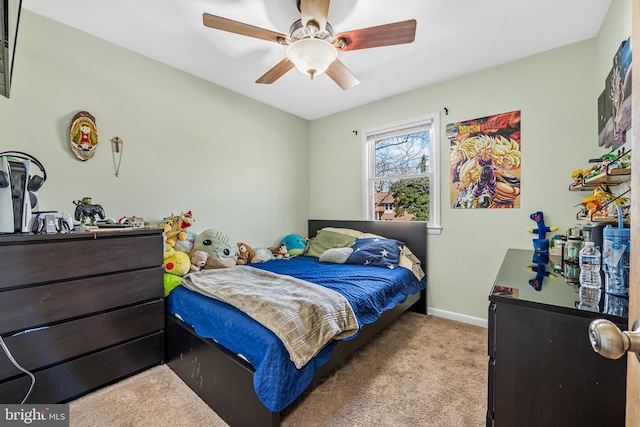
<point>225,381</point>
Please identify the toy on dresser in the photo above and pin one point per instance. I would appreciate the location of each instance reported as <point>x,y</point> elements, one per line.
<point>86,211</point>
<point>541,244</point>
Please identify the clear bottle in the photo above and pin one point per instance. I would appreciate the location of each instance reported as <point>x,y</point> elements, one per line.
<point>590,298</point>
<point>590,265</point>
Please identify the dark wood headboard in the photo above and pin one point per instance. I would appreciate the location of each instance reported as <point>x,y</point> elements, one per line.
<point>413,234</point>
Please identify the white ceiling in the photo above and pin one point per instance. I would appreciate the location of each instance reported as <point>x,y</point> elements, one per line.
<point>453,38</point>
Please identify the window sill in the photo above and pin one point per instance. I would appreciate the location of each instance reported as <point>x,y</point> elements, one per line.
<point>434,229</point>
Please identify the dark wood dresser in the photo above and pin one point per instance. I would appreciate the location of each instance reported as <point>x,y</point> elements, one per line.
<point>79,310</point>
<point>542,369</point>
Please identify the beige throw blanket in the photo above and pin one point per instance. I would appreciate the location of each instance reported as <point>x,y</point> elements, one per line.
<point>305,316</point>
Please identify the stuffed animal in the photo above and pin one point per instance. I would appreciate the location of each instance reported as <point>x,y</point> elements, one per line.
<point>176,262</point>
<point>198,260</point>
<point>187,244</point>
<point>295,243</point>
<point>170,282</point>
<point>280,251</point>
<point>221,252</point>
<point>246,253</point>
<point>174,227</point>
<point>542,229</point>
<point>176,265</point>
<point>262,255</point>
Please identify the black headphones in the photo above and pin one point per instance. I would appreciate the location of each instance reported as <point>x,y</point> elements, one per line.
<point>35,181</point>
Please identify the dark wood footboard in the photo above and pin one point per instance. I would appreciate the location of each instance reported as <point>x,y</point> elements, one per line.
<point>225,381</point>
<point>222,380</point>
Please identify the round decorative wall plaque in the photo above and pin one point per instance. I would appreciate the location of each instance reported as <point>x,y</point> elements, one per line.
<point>84,135</point>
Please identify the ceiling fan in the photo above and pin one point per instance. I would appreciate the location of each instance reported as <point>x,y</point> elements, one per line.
<point>312,47</point>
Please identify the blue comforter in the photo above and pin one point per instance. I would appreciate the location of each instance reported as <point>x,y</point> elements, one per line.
<point>370,291</point>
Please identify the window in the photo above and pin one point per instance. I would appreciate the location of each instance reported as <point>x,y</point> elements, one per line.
<point>401,171</point>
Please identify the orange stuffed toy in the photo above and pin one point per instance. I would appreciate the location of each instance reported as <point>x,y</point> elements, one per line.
<point>247,253</point>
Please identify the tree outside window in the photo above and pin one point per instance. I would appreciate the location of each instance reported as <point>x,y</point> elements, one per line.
<point>401,181</point>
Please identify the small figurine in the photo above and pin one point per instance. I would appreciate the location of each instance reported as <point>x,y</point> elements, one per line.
<point>578,177</point>
<point>542,229</point>
<point>86,211</point>
<point>601,197</point>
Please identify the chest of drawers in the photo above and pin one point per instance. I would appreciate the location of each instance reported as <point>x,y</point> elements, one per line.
<point>542,369</point>
<point>79,310</point>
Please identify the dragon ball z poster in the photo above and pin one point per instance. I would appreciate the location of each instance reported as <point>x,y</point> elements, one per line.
<point>485,162</point>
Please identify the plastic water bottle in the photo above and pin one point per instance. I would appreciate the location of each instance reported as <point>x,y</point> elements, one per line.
<point>590,266</point>
<point>590,298</point>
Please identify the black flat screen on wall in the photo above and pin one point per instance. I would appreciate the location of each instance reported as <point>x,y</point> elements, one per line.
<point>9,20</point>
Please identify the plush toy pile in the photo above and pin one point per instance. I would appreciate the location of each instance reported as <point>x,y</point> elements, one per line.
<point>223,252</point>
<point>188,251</point>
<point>295,243</point>
<point>174,227</point>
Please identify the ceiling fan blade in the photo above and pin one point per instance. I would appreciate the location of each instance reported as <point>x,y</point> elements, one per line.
<point>340,74</point>
<point>276,72</point>
<point>316,10</point>
<point>224,24</point>
<point>381,35</point>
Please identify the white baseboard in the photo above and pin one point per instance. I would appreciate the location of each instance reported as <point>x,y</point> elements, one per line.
<point>477,321</point>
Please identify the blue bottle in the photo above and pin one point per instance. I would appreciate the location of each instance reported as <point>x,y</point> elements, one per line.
<point>615,259</point>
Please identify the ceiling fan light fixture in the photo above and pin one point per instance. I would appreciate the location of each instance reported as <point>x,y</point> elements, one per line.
<point>312,56</point>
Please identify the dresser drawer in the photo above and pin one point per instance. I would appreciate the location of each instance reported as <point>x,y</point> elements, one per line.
<point>49,260</point>
<point>64,341</point>
<point>42,305</point>
<point>62,383</point>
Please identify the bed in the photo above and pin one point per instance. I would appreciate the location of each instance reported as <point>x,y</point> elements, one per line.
<point>240,391</point>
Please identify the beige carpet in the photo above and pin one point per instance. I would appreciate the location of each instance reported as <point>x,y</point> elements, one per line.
<point>420,371</point>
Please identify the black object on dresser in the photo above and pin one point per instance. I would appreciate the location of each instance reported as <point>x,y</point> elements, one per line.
<point>542,369</point>
<point>79,310</point>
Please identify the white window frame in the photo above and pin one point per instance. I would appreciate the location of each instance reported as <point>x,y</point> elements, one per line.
<point>429,122</point>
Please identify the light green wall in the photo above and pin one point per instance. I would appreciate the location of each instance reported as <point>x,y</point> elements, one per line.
<point>239,165</point>
<point>556,92</point>
<point>615,29</point>
<point>258,173</point>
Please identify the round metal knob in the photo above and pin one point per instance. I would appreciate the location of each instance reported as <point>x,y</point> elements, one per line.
<point>607,340</point>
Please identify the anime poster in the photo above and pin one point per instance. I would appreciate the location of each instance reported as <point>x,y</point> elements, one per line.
<point>614,103</point>
<point>485,162</point>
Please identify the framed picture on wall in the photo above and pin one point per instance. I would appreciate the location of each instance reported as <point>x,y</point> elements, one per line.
<point>614,104</point>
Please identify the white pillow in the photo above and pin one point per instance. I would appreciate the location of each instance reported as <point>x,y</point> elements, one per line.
<point>336,255</point>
